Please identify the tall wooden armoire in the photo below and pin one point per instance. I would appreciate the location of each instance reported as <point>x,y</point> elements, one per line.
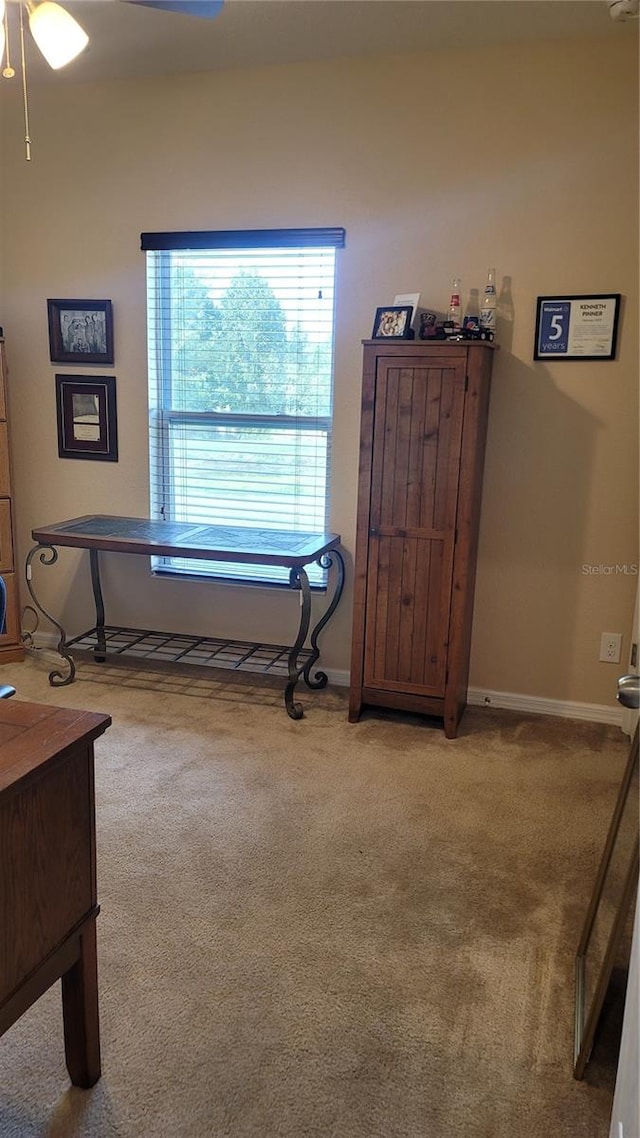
<point>11,646</point>
<point>423,428</point>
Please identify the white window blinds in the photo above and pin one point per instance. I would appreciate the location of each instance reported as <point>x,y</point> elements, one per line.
<point>240,342</point>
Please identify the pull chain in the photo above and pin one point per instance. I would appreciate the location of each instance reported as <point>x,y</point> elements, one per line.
<point>25,101</point>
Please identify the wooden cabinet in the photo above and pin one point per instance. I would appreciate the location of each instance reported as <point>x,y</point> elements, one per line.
<point>48,897</point>
<point>423,429</point>
<point>11,647</point>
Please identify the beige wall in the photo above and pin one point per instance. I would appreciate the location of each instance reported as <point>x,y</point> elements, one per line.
<point>545,189</point>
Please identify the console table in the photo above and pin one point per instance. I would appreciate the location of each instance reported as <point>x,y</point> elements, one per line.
<point>294,551</point>
<point>48,903</point>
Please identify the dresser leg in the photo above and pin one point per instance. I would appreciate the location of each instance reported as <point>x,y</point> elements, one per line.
<point>452,715</point>
<point>80,1013</point>
<point>355,704</point>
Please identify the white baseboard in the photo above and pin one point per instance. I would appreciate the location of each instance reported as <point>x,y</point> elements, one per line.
<point>43,640</point>
<point>477,697</point>
<point>538,705</point>
<point>535,705</point>
<point>337,676</point>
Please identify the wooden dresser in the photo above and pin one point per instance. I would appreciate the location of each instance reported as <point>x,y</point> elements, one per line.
<point>48,897</point>
<point>11,647</point>
<point>424,419</point>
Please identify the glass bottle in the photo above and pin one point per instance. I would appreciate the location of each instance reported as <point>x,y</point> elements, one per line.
<point>489,303</point>
<point>455,307</point>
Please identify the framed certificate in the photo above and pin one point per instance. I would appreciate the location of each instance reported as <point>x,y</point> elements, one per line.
<point>87,423</point>
<point>577,327</point>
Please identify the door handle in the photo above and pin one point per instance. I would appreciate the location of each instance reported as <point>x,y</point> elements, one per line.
<point>629,691</point>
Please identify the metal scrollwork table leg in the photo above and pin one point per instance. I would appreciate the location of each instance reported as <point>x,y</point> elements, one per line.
<point>298,579</point>
<point>100,649</point>
<point>48,555</point>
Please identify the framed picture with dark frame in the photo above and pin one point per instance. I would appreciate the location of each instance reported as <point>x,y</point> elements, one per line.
<point>608,913</point>
<point>87,418</point>
<point>80,331</point>
<point>393,322</point>
<point>577,327</point>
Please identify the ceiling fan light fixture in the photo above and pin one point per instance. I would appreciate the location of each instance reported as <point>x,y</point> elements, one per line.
<point>59,37</point>
<point>623,9</point>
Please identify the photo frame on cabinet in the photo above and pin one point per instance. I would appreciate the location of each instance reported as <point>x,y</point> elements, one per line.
<point>87,418</point>
<point>393,322</point>
<point>613,892</point>
<point>80,331</point>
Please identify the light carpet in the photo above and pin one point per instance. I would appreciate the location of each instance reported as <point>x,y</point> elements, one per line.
<point>325,929</point>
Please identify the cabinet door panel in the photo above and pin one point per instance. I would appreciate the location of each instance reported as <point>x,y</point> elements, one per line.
<point>406,633</point>
<point>416,453</point>
<point>5,485</point>
<point>11,632</point>
<point>6,541</point>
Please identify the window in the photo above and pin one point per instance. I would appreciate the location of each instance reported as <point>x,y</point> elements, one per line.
<point>240,342</point>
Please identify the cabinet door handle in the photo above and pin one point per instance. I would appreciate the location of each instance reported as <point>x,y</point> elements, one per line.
<point>373,532</point>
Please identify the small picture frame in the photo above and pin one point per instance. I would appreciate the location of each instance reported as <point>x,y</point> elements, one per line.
<point>428,322</point>
<point>86,416</point>
<point>393,322</point>
<point>80,331</point>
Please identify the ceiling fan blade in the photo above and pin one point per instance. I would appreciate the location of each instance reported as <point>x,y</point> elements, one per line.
<point>207,9</point>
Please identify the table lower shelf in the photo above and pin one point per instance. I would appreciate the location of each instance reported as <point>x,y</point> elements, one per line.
<point>150,646</point>
<point>204,651</point>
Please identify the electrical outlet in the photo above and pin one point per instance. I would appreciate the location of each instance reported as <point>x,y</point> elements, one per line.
<point>611,647</point>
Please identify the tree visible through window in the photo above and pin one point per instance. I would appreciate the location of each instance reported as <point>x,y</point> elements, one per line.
<point>240,334</point>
